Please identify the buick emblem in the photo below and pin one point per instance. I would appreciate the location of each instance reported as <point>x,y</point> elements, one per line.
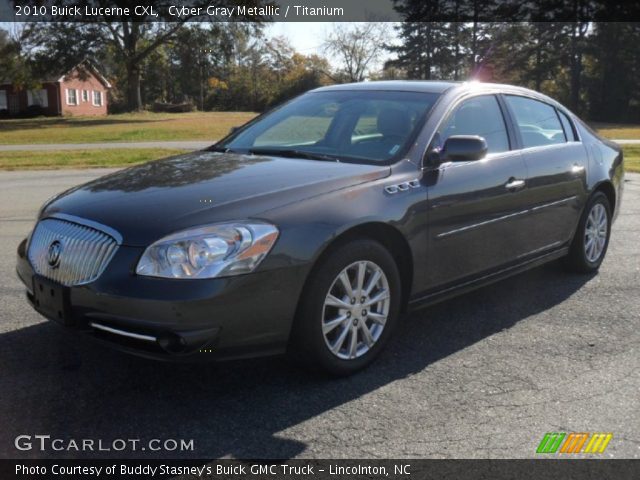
<point>53,254</point>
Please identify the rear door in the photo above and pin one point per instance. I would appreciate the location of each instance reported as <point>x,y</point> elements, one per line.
<point>476,207</point>
<point>556,166</point>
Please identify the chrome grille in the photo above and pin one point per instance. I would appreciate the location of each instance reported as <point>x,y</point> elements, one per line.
<point>84,253</point>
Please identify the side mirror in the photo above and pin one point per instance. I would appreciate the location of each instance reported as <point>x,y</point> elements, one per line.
<point>233,130</point>
<point>463,148</point>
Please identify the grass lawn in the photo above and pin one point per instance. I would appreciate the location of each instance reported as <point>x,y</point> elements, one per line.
<point>616,131</point>
<point>631,158</point>
<point>80,158</point>
<point>126,127</point>
<point>148,127</point>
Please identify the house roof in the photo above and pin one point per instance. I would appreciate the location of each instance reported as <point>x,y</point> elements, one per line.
<point>88,65</point>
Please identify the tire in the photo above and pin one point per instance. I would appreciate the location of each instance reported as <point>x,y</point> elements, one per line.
<point>313,332</point>
<point>586,257</point>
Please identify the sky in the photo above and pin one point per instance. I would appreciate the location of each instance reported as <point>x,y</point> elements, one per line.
<point>305,37</point>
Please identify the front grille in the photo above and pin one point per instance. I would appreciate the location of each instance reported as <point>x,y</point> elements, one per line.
<point>84,252</point>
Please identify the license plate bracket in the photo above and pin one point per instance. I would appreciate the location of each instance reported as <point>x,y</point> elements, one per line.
<point>51,299</point>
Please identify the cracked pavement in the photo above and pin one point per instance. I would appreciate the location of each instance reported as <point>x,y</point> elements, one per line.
<point>484,375</point>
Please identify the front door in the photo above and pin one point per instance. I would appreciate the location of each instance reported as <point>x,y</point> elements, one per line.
<point>476,208</point>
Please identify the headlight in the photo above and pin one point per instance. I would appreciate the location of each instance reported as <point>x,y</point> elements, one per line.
<point>218,250</point>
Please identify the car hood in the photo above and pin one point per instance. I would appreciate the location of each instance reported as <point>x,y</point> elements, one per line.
<point>147,202</point>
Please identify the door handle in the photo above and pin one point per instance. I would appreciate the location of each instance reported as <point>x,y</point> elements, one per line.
<point>514,184</point>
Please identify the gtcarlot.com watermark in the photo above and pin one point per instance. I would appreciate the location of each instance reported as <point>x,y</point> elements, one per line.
<point>45,443</point>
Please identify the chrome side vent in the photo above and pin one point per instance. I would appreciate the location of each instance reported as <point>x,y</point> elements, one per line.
<point>402,187</point>
<point>69,253</point>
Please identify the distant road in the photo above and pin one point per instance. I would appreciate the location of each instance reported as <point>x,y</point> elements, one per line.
<point>188,145</point>
<point>628,142</point>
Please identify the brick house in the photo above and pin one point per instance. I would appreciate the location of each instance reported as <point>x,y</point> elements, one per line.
<point>80,91</point>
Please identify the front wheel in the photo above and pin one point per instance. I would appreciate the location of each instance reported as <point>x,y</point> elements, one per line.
<point>348,310</point>
<point>592,236</point>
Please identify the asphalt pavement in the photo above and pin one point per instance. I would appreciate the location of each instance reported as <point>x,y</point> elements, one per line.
<point>483,375</point>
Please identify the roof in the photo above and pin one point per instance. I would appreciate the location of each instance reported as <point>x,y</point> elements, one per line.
<point>428,86</point>
<point>433,86</point>
<point>88,65</point>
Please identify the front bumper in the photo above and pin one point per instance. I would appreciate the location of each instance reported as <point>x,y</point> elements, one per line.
<point>247,315</point>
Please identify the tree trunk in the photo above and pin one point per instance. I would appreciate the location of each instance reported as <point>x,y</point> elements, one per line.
<point>202,87</point>
<point>538,74</point>
<point>427,66</point>
<point>576,67</point>
<point>474,41</point>
<point>456,72</point>
<point>134,99</point>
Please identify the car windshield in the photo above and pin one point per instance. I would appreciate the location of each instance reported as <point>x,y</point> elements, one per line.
<point>346,125</point>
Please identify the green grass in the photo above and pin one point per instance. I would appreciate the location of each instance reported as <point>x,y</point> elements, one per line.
<point>127,127</point>
<point>148,126</point>
<point>631,158</point>
<point>617,131</point>
<point>26,160</point>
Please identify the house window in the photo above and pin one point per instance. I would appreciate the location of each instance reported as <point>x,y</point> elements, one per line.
<point>38,97</point>
<point>3,100</point>
<point>72,96</point>
<point>97,98</point>
<point>85,95</point>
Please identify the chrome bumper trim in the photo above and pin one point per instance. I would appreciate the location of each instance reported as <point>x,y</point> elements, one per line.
<point>115,331</point>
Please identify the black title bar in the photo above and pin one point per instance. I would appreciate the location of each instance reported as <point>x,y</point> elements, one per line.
<point>401,469</point>
<point>318,11</point>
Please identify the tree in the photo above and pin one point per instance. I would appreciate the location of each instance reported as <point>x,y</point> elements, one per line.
<point>578,34</point>
<point>612,66</point>
<point>197,53</point>
<point>528,54</point>
<point>16,66</point>
<point>358,47</point>
<point>132,42</point>
<point>9,58</point>
<point>265,72</point>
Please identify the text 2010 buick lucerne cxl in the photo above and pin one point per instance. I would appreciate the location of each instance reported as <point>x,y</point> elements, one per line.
<point>311,228</point>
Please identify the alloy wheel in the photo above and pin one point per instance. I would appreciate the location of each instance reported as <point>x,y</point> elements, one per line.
<point>595,232</point>
<point>355,310</point>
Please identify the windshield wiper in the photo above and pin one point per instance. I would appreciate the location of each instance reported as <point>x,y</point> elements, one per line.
<point>215,148</point>
<point>292,153</point>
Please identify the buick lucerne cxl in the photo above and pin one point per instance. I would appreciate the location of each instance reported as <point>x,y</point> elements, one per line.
<point>311,229</point>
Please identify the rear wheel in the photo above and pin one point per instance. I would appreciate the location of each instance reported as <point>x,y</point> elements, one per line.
<point>592,236</point>
<point>348,310</point>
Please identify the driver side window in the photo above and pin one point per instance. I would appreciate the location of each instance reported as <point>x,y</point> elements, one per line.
<point>477,116</point>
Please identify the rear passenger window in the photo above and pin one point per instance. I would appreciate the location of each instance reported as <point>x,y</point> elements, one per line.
<point>568,128</point>
<point>477,116</point>
<point>538,122</point>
